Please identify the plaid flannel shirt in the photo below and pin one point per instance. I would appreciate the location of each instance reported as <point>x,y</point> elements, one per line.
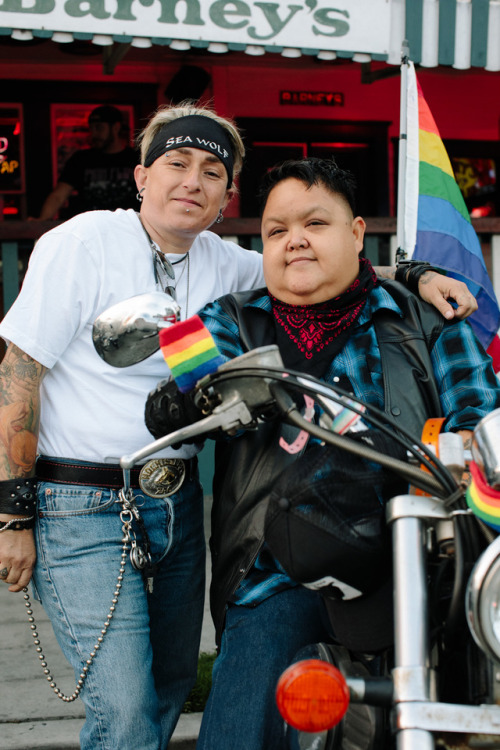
<point>467,386</point>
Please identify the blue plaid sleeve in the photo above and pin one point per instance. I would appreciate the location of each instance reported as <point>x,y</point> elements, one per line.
<point>224,330</point>
<point>468,387</point>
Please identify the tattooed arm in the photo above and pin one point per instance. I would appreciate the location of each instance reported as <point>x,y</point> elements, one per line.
<point>437,290</point>
<point>20,378</point>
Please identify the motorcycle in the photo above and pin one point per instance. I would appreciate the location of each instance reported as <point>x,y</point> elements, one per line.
<point>438,685</point>
<point>436,682</point>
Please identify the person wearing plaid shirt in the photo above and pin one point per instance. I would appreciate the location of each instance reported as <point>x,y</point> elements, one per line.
<point>322,306</point>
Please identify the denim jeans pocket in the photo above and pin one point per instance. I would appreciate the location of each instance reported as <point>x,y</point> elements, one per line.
<point>57,500</point>
<point>72,520</point>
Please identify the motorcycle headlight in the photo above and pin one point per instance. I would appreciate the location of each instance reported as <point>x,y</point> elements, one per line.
<point>483,601</point>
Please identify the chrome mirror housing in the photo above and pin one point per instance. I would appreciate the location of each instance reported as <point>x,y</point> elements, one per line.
<point>486,448</point>
<point>127,333</point>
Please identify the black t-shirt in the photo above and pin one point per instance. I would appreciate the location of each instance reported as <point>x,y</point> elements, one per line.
<point>102,181</point>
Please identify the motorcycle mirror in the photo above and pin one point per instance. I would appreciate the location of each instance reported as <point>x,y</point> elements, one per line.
<point>486,448</point>
<point>127,333</point>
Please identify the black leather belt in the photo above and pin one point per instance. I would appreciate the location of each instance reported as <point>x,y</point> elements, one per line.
<point>94,475</point>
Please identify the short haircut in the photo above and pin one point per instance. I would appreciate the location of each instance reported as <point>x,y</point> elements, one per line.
<point>106,113</point>
<point>184,109</point>
<point>311,171</point>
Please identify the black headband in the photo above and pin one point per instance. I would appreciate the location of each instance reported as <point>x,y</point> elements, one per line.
<point>193,131</point>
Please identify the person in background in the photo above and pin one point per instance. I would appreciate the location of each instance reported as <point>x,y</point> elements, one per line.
<point>59,401</point>
<point>102,176</point>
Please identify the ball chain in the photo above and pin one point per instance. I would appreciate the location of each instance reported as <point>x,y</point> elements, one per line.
<point>85,669</point>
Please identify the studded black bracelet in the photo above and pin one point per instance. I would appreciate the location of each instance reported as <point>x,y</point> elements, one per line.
<point>18,496</point>
<point>408,272</point>
<point>414,275</point>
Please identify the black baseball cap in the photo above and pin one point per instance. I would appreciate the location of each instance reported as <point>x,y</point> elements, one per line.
<point>105,113</point>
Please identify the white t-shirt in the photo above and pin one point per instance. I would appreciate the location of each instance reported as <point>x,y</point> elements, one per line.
<point>90,410</point>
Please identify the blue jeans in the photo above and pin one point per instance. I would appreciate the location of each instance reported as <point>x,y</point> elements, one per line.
<point>257,645</point>
<point>147,663</point>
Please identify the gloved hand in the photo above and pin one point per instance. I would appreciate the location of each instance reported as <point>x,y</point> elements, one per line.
<point>167,410</point>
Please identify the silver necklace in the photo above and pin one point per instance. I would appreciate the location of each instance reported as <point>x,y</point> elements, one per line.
<point>186,260</point>
<point>163,269</point>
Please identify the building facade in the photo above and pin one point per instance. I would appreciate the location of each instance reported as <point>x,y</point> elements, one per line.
<point>298,77</point>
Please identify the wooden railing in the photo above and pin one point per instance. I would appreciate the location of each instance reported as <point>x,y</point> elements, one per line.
<point>18,237</point>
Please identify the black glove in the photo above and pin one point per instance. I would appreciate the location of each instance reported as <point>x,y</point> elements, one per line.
<point>167,410</point>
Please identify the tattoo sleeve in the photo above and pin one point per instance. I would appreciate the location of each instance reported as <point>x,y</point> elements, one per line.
<point>426,277</point>
<point>385,272</point>
<point>20,378</point>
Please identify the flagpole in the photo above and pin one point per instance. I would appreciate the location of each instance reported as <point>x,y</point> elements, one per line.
<point>401,251</point>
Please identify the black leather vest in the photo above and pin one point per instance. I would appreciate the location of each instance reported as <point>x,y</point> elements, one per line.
<point>246,467</point>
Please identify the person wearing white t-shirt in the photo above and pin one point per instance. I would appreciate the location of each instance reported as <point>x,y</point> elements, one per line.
<point>66,418</point>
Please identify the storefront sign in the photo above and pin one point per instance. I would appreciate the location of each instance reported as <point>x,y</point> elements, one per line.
<point>344,25</point>
<point>11,166</point>
<point>312,98</point>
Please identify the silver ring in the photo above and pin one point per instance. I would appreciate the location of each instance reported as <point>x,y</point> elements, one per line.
<point>4,573</point>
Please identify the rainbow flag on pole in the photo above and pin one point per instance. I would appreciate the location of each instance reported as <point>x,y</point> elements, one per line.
<point>437,226</point>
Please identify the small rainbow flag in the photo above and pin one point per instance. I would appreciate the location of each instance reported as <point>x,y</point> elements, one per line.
<point>437,225</point>
<point>190,352</point>
<point>482,499</point>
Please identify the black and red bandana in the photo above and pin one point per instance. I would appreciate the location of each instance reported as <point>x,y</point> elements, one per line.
<point>310,336</point>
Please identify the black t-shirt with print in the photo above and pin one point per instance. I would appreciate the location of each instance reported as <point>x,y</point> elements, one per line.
<point>102,181</point>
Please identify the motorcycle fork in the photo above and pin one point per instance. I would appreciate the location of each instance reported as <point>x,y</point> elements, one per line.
<point>417,716</point>
<point>412,675</point>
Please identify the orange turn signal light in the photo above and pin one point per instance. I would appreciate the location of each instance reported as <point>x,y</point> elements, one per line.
<point>312,695</point>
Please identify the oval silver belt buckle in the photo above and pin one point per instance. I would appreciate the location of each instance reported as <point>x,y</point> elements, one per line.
<point>161,477</point>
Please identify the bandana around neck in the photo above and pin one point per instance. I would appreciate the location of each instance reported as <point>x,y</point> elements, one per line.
<point>193,131</point>
<point>310,336</point>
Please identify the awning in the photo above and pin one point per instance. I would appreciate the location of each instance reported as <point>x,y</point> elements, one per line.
<point>461,33</point>
<point>458,33</point>
<point>359,29</point>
